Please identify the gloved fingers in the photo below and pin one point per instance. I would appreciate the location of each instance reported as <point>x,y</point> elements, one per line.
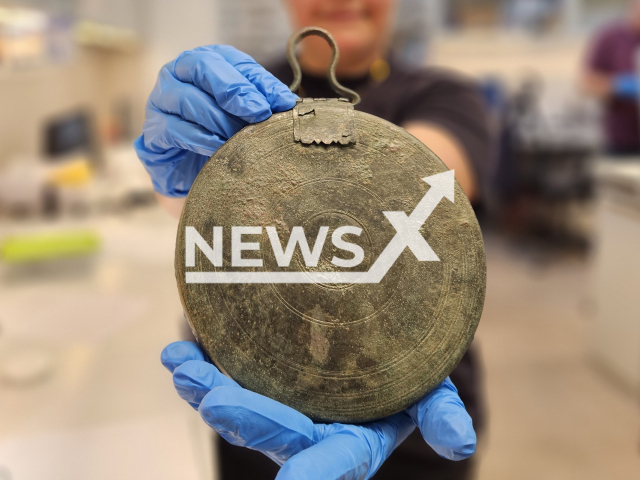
<point>337,457</point>
<point>444,423</point>
<point>177,353</point>
<point>195,378</point>
<point>172,171</point>
<point>626,85</point>
<point>251,420</point>
<point>277,93</point>
<point>164,131</point>
<point>187,101</point>
<point>381,436</point>
<point>210,72</point>
<point>385,435</point>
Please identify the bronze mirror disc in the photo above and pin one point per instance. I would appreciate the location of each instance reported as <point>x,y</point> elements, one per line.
<point>329,260</point>
<point>339,335</point>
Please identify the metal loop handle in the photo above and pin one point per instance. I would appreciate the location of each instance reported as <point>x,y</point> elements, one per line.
<point>331,71</point>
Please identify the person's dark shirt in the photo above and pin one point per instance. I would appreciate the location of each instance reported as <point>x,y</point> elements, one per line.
<point>409,94</point>
<point>454,103</point>
<point>613,53</point>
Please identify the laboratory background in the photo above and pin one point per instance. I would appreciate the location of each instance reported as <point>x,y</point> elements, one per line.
<point>88,295</point>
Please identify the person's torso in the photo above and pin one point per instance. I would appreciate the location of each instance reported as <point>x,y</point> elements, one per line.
<point>622,118</point>
<point>394,99</point>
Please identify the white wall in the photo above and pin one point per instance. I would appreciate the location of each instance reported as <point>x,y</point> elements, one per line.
<point>169,27</point>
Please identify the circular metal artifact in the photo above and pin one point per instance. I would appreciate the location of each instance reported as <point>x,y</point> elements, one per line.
<point>328,259</point>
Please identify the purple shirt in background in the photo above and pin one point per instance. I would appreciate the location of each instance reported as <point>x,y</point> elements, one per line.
<point>614,52</point>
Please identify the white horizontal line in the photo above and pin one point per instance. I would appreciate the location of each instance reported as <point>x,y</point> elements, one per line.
<point>277,277</point>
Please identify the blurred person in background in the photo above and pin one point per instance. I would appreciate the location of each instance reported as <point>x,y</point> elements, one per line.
<point>208,94</point>
<point>611,75</point>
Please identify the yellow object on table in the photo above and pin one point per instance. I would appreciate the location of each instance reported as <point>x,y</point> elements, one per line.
<point>74,173</point>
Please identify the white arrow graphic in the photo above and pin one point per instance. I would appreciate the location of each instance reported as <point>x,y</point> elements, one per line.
<point>408,227</point>
<point>408,235</point>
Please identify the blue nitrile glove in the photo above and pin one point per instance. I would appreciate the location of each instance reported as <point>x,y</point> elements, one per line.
<point>308,450</point>
<point>626,86</point>
<point>200,100</point>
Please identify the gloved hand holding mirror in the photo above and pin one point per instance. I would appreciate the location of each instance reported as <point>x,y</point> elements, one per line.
<point>314,450</point>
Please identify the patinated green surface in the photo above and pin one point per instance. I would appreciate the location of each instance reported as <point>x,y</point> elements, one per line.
<point>335,352</point>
